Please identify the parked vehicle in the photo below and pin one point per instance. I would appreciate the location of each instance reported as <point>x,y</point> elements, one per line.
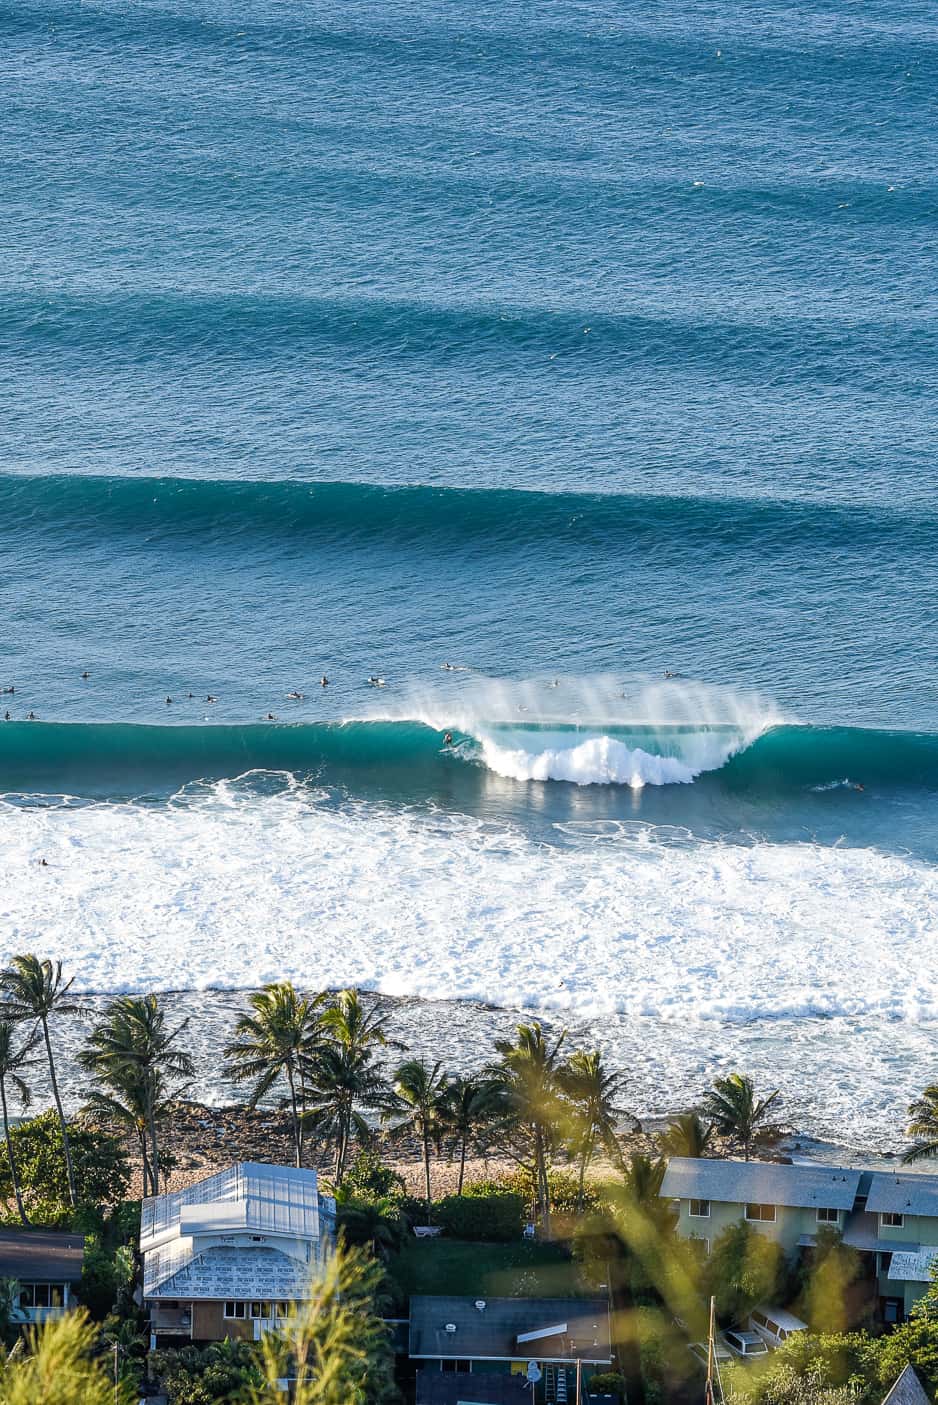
<point>774,1325</point>
<point>745,1344</point>
<point>721,1351</point>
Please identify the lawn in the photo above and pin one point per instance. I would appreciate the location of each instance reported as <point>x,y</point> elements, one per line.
<point>519,1269</point>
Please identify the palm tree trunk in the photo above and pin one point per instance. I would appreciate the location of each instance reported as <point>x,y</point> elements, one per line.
<point>154,1146</point>
<point>462,1164</point>
<point>10,1157</point>
<point>154,1156</point>
<point>543,1190</point>
<point>345,1121</point>
<point>145,1161</point>
<point>426,1169</point>
<point>585,1157</point>
<point>297,1135</point>
<point>69,1168</point>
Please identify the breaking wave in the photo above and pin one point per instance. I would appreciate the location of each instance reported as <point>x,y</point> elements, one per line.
<point>119,759</point>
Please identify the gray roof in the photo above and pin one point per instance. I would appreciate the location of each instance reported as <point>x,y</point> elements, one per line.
<point>493,1330</point>
<point>893,1193</point>
<point>766,1182</point>
<point>912,1263</point>
<point>907,1390</point>
<point>225,1271</point>
<point>481,1387</point>
<point>34,1255</point>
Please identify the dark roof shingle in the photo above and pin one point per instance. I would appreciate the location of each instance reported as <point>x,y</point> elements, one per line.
<point>493,1330</point>
<point>41,1255</point>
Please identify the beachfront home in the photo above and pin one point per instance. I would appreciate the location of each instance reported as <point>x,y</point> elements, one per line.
<point>890,1217</point>
<point>228,1257</point>
<point>47,1267</point>
<point>497,1345</point>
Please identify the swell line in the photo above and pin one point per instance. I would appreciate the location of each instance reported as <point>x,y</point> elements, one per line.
<point>69,505</point>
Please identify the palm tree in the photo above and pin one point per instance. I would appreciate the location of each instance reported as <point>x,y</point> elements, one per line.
<point>342,1074</point>
<point>923,1123</point>
<point>735,1110</point>
<point>134,1053</point>
<point>422,1094</point>
<point>375,1224</point>
<point>34,991</point>
<point>12,1060</point>
<point>277,1041</point>
<point>528,1074</point>
<point>471,1104</point>
<point>686,1135</point>
<point>134,1103</point>
<point>591,1089</point>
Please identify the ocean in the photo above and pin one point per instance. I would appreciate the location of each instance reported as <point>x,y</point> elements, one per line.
<point>558,381</point>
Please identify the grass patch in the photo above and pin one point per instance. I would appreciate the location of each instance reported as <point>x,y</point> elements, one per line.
<point>520,1269</point>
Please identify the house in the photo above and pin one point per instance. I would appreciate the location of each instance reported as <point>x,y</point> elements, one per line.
<point>491,1342</point>
<point>908,1390</point>
<point>230,1255</point>
<point>47,1266</point>
<point>890,1218</point>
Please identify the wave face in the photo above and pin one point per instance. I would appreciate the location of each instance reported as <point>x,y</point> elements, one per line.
<point>127,760</point>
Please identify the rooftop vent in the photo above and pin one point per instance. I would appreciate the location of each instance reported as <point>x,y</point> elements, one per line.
<point>480,1304</point>
<point>451,1326</point>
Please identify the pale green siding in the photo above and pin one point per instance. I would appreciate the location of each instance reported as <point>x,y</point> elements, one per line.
<point>788,1227</point>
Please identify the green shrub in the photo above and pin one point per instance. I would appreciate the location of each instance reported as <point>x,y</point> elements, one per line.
<point>370,1179</point>
<point>606,1383</point>
<point>102,1172</point>
<point>491,1217</point>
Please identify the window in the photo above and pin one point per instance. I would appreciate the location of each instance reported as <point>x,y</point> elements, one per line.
<point>42,1294</point>
<point>760,1319</point>
<point>700,1244</point>
<point>700,1209</point>
<point>828,1216</point>
<point>891,1221</point>
<point>892,1310</point>
<point>236,1310</point>
<point>763,1213</point>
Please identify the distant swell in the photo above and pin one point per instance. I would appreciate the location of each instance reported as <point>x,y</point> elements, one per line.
<point>87,508</point>
<point>103,759</point>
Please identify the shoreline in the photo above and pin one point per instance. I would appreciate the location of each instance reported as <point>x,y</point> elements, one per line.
<point>204,1139</point>
<point>667,1066</point>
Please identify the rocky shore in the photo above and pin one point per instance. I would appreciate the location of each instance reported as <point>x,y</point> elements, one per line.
<point>204,1139</point>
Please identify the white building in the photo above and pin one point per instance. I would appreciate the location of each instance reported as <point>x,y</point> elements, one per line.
<point>227,1257</point>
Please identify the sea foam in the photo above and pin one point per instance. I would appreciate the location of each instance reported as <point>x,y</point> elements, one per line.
<point>236,883</point>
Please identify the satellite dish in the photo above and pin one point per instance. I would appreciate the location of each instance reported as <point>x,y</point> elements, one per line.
<point>534,1372</point>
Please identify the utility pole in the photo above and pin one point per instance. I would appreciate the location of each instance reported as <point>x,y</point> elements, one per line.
<point>579,1381</point>
<point>708,1392</point>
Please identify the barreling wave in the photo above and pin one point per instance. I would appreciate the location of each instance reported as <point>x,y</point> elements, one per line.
<point>81,508</point>
<point>117,759</point>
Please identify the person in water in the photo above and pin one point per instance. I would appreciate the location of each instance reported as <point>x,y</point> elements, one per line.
<point>447,739</point>
<point>324,681</point>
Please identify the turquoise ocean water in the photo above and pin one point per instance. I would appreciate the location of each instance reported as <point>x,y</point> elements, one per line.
<point>570,344</point>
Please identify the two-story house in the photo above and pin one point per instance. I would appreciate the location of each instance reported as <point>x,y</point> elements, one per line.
<point>230,1255</point>
<point>890,1218</point>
